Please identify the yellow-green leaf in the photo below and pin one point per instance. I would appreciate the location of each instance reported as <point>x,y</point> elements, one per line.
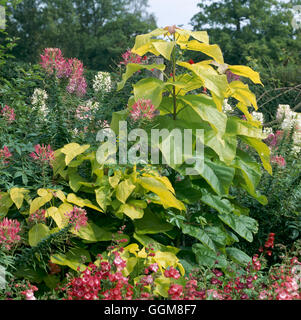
<point>37,233</point>
<point>39,202</point>
<point>72,150</point>
<point>73,198</point>
<point>131,211</point>
<point>124,190</point>
<point>17,196</point>
<point>158,187</point>
<point>247,72</point>
<point>164,48</point>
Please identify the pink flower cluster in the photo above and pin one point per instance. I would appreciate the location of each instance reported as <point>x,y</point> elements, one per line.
<point>83,112</point>
<point>130,57</point>
<point>172,273</point>
<point>77,217</point>
<point>72,69</point>
<point>37,217</point>
<point>8,113</point>
<point>142,109</point>
<point>5,155</point>
<point>42,153</point>
<point>9,230</point>
<point>274,138</point>
<point>29,293</point>
<point>279,160</point>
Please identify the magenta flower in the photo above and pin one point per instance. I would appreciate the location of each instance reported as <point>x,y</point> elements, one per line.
<point>279,160</point>
<point>5,155</point>
<point>142,109</point>
<point>130,57</point>
<point>8,113</point>
<point>77,217</point>
<point>71,69</point>
<point>37,217</point>
<point>42,153</point>
<point>9,230</point>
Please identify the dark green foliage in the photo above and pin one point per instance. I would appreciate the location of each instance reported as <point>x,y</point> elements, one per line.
<point>96,32</point>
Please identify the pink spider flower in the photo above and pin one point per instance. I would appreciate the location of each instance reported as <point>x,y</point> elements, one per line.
<point>279,160</point>
<point>77,217</point>
<point>5,155</point>
<point>42,153</point>
<point>130,57</point>
<point>8,113</point>
<point>52,60</point>
<point>142,109</point>
<point>9,230</point>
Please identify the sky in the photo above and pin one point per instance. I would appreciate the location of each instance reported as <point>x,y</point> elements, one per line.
<point>170,12</point>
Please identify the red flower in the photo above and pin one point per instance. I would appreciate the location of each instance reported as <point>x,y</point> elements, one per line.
<point>191,61</point>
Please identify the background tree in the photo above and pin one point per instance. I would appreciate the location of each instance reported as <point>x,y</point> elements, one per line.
<point>95,31</point>
<point>260,29</point>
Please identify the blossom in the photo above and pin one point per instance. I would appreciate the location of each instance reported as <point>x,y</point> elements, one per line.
<point>227,108</point>
<point>279,160</point>
<point>175,291</point>
<point>77,217</point>
<point>42,153</point>
<point>102,82</point>
<point>72,69</point>
<point>38,101</point>
<point>142,109</point>
<point>29,293</point>
<point>153,267</point>
<point>5,155</point>
<point>191,61</point>
<point>8,113</point>
<point>130,57</point>
<point>37,217</point>
<point>9,230</point>
<point>172,273</point>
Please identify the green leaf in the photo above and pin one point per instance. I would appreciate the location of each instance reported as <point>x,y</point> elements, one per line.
<point>243,225</point>
<point>151,223</point>
<point>262,150</point>
<point>238,256</point>
<point>205,108</point>
<point>249,174</point>
<point>221,205</point>
<point>207,257</point>
<point>93,233</point>
<point>198,233</point>
<point>72,258</point>
<point>37,233</point>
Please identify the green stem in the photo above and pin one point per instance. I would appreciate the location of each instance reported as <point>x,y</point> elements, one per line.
<point>174,79</point>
